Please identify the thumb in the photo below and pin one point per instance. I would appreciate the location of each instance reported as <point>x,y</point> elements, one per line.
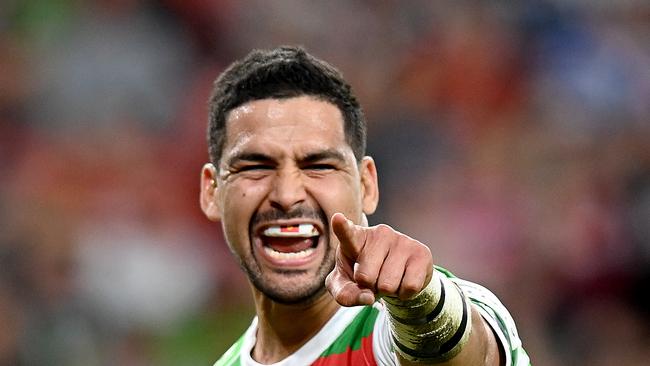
<point>352,237</point>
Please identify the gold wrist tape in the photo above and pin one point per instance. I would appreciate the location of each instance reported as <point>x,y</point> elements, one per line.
<point>434,325</point>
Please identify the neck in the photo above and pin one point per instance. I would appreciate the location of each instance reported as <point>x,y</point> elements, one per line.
<point>277,333</point>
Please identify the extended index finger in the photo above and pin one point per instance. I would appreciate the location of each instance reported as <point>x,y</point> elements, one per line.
<point>351,236</point>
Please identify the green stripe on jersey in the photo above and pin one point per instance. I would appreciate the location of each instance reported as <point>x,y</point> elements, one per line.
<point>231,357</point>
<point>444,272</point>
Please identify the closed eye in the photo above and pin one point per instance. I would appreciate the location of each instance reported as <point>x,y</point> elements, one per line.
<point>319,167</point>
<point>322,161</point>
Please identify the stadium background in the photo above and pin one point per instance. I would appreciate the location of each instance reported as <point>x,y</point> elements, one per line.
<point>512,137</point>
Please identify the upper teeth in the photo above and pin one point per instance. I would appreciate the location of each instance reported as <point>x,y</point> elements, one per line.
<point>302,230</point>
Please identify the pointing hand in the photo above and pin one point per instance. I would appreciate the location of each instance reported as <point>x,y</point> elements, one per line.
<point>376,261</point>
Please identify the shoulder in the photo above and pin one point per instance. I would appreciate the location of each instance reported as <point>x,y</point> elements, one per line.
<point>497,316</point>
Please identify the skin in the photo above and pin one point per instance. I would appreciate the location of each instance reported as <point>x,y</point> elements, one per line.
<point>290,156</point>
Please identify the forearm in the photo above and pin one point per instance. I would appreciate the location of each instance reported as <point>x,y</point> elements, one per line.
<point>440,326</point>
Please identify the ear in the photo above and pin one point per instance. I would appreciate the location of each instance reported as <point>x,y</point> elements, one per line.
<point>209,193</point>
<point>369,185</point>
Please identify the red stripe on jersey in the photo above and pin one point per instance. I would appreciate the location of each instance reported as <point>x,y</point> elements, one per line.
<point>361,357</point>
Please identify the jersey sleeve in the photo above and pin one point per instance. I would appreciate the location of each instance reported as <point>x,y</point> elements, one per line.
<point>499,320</point>
<point>489,307</point>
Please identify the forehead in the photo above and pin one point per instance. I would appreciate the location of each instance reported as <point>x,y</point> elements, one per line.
<point>289,123</point>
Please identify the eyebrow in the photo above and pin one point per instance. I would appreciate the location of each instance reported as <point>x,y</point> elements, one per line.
<point>248,156</point>
<point>323,155</point>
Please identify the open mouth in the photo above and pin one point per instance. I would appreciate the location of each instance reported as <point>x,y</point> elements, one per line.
<point>290,242</point>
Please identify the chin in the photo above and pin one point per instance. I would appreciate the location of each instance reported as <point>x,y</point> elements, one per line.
<point>293,289</point>
<point>290,295</point>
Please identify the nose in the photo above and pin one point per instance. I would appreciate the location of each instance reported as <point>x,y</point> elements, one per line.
<point>288,190</point>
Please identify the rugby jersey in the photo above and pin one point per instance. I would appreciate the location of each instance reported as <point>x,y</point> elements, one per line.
<point>360,335</point>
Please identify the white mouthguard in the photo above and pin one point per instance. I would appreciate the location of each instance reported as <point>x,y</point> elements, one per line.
<point>292,231</point>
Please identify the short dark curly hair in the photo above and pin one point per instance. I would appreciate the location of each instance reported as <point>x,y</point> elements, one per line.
<point>283,72</point>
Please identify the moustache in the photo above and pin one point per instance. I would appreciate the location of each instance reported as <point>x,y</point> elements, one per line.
<point>300,212</point>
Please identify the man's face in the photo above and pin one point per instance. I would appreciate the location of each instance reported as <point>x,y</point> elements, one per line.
<point>284,171</point>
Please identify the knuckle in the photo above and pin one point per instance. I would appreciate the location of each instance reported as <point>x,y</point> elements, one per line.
<point>364,279</point>
<point>408,290</point>
<point>383,229</point>
<point>387,286</point>
<point>411,288</point>
<point>422,252</point>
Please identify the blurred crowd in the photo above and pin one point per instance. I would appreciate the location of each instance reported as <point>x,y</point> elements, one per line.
<point>511,137</point>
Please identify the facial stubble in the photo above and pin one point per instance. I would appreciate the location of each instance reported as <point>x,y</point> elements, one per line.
<point>301,293</point>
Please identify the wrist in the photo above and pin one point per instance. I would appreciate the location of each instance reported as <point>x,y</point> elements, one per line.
<point>432,326</point>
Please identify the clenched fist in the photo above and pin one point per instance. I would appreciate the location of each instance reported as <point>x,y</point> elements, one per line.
<point>376,261</point>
